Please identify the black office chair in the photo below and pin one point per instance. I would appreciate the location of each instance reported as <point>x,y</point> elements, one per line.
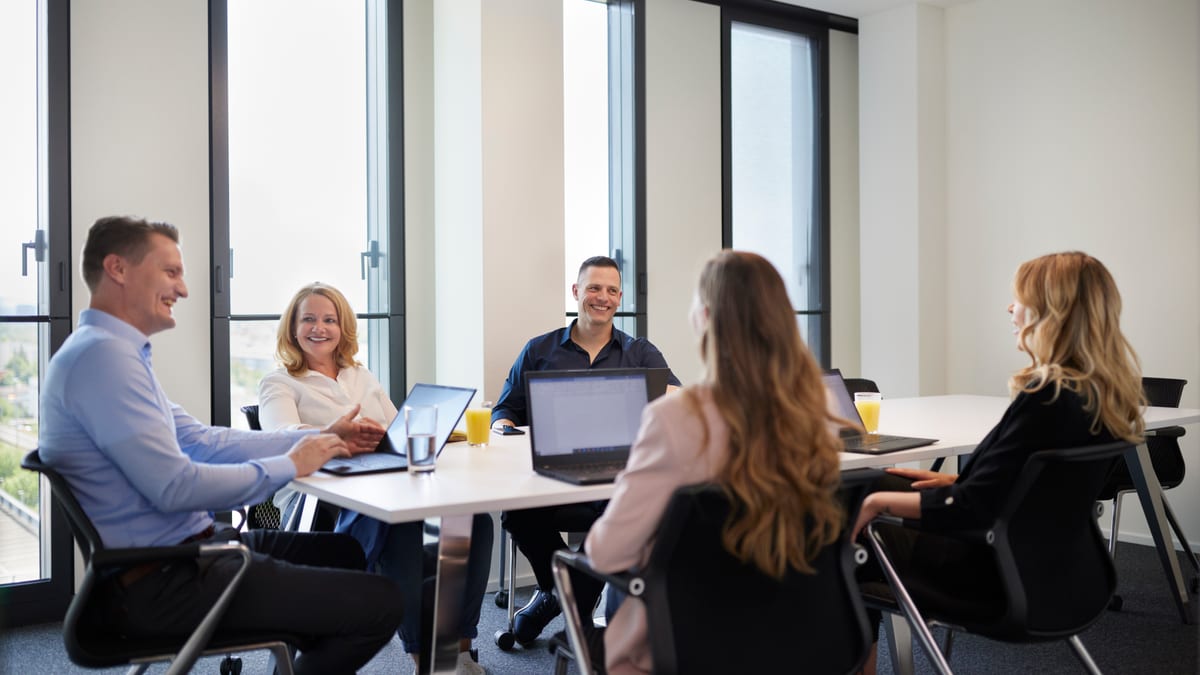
<point>855,385</point>
<point>707,612</point>
<point>1046,554</point>
<point>264,515</point>
<point>91,639</point>
<point>1169,466</point>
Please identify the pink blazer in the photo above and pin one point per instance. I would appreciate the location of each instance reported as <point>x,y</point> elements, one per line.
<point>670,451</point>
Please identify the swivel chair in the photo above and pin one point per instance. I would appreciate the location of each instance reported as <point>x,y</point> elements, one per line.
<point>1044,553</point>
<point>91,639</point>
<point>691,579</point>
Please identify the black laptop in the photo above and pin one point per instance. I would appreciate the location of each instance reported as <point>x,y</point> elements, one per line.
<point>391,455</point>
<point>853,439</point>
<point>582,422</point>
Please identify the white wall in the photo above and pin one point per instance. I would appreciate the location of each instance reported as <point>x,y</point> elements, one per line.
<point>683,168</point>
<point>139,146</point>
<point>1077,130</point>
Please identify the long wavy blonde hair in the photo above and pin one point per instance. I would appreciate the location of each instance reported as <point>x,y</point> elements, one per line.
<point>783,468</point>
<point>287,345</point>
<point>1072,334</point>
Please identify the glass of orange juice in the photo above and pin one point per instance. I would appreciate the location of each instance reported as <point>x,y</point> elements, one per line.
<point>867,403</point>
<point>479,425</point>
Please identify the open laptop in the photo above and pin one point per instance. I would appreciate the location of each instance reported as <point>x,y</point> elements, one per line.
<point>390,454</point>
<point>853,439</point>
<point>582,422</point>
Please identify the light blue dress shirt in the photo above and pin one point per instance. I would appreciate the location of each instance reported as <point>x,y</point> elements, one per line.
<point>145,471</point>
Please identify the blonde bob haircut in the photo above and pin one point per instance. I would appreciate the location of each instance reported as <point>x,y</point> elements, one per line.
<point>287,345</point>
<point>782,473</point>
<point>1072,334</point>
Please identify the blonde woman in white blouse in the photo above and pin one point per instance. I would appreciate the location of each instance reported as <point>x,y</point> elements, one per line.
<point>318,381</point>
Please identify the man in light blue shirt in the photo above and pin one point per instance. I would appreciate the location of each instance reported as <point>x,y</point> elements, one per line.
<point>148,474</point>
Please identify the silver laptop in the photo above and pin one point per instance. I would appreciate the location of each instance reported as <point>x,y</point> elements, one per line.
<point>582,422</point>
<point>390,455</point>
<point>853,439</point>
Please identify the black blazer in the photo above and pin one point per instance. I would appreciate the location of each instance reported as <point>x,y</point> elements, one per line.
<point>1032,422</point>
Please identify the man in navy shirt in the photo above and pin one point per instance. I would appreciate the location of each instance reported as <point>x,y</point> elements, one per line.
<point>590,341</point>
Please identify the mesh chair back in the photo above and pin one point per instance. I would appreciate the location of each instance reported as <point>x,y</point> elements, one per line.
<point>1055,567</point>
<point>708,612</point>
<point>264,515</point>
<point>251,413</point>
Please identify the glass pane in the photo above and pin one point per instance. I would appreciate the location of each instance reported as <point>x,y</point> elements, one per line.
<point>773,154</point>
<point>585,136</point>
<point>297,151</point>
<point>19,498</point>
<point>19,168</point>
<point>252,356</point>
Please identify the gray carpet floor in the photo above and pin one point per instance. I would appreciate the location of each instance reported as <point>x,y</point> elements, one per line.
<point>1145,637</point>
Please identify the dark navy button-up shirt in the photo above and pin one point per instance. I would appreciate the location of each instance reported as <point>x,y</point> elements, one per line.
<point>556,351</point>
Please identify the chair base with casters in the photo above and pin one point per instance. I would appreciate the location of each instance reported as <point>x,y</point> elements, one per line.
<point>1052,573</point>
<point>89,638</point>
<point>820,615</point>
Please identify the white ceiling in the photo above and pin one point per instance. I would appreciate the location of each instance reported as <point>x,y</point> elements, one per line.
<point>860,8</point>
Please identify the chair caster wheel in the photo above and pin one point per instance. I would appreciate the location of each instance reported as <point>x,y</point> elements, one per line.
<point>502,599</point>
<point>1116,603</point>
<point>231,666</point>
<point>505,640</point>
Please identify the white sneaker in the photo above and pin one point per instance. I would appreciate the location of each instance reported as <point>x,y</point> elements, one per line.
<point>467,665</point>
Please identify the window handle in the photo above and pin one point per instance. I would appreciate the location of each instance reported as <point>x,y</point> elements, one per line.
<point>373,255</point>
<point>39,251</point>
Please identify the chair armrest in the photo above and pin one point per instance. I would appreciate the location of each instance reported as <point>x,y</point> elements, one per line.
<point>626,582</point>
<point>561,564</point>
<point>1167,432</point>
<point>127,557</point>
<point>200,637</point>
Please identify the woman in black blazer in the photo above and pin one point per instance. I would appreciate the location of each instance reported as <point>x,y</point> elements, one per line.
<point>1082,387</point>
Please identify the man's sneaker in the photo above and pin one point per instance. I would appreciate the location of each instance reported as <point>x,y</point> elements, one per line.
<point>468,664</point>
<point>533,617</point>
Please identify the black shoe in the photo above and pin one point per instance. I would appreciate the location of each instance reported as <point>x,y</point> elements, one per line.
<point>533,617</point>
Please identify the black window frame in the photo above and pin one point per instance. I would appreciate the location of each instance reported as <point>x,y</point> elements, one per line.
<point>219,249</point>
<point>814,25</point>
<point>627,156</point>
<point>43,600</point>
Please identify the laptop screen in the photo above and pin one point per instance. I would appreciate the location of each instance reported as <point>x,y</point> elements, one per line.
<point>450,402</point>
<point>843,405</point>
<point>585,411</point>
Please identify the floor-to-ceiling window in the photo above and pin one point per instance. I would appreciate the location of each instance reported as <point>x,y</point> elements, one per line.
<point>602,148</point>
<point>776,157</point>
<point>306,179</point>
<point>35,288</point>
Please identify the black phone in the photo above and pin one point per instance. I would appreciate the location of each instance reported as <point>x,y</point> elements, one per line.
<point>509,430</point>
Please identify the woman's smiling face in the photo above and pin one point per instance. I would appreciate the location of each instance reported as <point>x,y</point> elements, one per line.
<point>317,330</point>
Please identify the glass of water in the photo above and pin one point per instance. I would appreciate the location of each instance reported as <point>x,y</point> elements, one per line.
<point>420,425</point>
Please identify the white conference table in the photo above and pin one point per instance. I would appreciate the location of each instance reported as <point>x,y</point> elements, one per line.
<point>500,477</point>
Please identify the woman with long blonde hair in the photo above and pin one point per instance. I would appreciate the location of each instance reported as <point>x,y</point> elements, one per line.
<point>757,424</point>
<point>1081,387</point>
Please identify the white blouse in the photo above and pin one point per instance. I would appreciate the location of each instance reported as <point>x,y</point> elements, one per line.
<point>312,399</point>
